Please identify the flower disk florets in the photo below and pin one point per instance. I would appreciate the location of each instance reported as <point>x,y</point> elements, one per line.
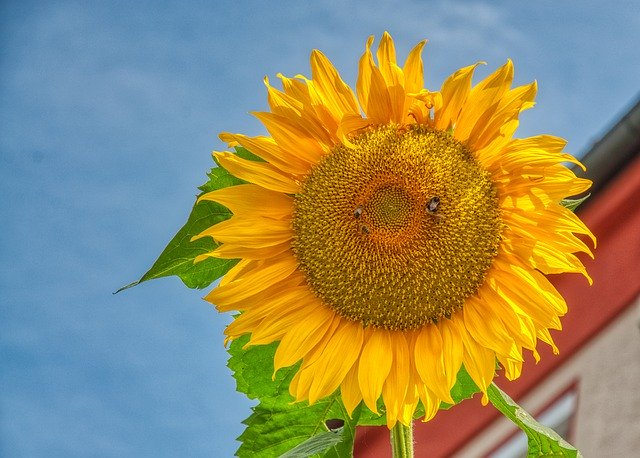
<point>398,229</point>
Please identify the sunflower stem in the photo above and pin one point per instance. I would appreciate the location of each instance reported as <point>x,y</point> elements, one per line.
<point>402,441</point>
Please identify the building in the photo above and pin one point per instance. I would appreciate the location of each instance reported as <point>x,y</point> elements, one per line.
<point>590,392</point>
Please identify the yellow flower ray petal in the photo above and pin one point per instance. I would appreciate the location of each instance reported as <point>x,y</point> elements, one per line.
<point>350,390</point>
<point>480,363</point>
<point>561,241</point>
<point>255,281</point>
<point>255,232</point>
<point>541,256</point>
<point>374,366</point>
<point>254,306</point>
<point>430,402</point>
<point>292,138</point>
<point>393,77</point>
<point>337,359</point>
<point>267,149</point>
<point>536,282</point>
<point>488,330</point>
<point>306,373</point>
<point>290,310</point>
<point>262,174</point>
<point>554,217</point>
<point>243,266</point>
<point>226,251</point>
<point>452,347</point>
<point>304,115</point>
<point>512,368</point>
<point>545,336</point>
<point>483,99</point>
<point>517,293</point>
<point>414,70</point>
<point>519,325</point>
<point>332,91</point>
<point>454,93</point>
<point>252,200</point>
<point>429,362</point>
<point>255,299</point>
<point>372,89</point>
<point>411,398</point>
<point>302,337</point>
<point>489,125</point>
<point>395,386</point>
<point>264,331</point>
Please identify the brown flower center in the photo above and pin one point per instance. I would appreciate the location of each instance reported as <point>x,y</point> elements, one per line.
<point>397,231</point>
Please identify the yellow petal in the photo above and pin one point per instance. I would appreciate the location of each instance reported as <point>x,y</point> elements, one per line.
<point>452,348</point>
<point>429,362</point>
<point>303,336</point>
<point>522,298</point>
<point>483,98</point>
<point>251,199</point>
<point>250,232</point>
<point>430,402</point>
<point>333,92</point>
<point>413,70</point>
<point>545,336</point>
<point>306,372</point>
<point>487,328</point>
<point>336,361</point>
<point>240,252</point>
<point>396,384</point>
<point>393,77</point>
<point>268,149</point>
<point>374,366</point>
<point>260,173</point>
<point>350,390</point>
<point>255,281</point>
<point>512,368</point>
<point>372,89</point>
<point>489,125</point>
<point>532,281</point>
<point>293,138</point>
<point>541,256</point>
<point>304,116</point>
<point>480,363</point>
<point>291,308</point>
<point>454,93</point>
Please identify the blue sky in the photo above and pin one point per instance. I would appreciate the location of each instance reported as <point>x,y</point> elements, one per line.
<point>108,113</point>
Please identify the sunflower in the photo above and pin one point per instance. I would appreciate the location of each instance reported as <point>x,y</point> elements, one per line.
<point>389,237</point>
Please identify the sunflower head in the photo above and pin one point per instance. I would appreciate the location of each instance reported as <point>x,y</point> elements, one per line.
<point>391,236</point>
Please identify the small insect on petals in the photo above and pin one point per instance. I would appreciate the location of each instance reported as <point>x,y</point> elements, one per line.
<point>364,229</point>
<point>358,212</point>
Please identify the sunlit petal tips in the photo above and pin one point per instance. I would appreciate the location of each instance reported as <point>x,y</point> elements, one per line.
<point>392,235</point>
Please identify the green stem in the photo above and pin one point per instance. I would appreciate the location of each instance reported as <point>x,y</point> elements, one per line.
<point>402,441</point>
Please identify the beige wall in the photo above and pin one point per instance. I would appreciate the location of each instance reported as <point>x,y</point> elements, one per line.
<point>607,369</point>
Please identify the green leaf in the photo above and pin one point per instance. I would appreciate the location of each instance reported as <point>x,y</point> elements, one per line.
<point>248,155</point>
<point>573,204</point>
<point>278,424</point>
<point>177,258</point>
<point>542,441</point>
<point>315,445</point>
<point>369,418</point>
<point>464,388</point>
